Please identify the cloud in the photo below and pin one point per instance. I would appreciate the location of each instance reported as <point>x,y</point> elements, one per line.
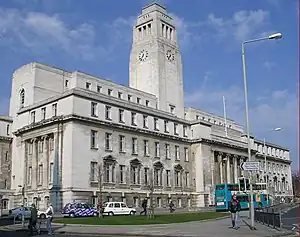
<point>241,26</point>
<point>268,65</point>
<point>25,27</point>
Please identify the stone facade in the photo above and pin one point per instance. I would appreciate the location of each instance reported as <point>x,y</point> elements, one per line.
<point>78,137</point>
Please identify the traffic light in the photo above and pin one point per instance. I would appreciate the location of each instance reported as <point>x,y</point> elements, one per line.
<point>242,184</point>
<point>247,184</point>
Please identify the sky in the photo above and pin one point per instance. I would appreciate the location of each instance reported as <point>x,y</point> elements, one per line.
<point>95,37</point>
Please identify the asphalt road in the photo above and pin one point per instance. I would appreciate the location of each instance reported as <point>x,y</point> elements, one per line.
<point>290,218</point>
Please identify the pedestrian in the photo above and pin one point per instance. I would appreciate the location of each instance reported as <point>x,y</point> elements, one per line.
<point>33,219</point>
<point>234,208</point>
<point>144,206</point>
<point>171,206</point>
<point>49,214</point>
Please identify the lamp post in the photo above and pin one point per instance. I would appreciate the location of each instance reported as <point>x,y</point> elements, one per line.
<point>265,156</point>
<point>23,204</point>
<point>270,37</point>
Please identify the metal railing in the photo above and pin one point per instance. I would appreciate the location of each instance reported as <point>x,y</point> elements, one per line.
<point>268,217</point>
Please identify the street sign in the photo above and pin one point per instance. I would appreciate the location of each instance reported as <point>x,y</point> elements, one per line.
<point>250,166</point>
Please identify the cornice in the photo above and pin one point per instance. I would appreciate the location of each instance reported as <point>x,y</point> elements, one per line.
<point>2,138</point>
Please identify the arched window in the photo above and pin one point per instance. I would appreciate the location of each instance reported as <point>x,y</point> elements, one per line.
<point>22,98</point>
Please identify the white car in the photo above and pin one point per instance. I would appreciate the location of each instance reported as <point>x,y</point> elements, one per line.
<point>117,208</point>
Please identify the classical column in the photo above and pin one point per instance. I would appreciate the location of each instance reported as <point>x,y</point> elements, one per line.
<point>235,171</point>
<point>220,160</point>
<point>228,169</point>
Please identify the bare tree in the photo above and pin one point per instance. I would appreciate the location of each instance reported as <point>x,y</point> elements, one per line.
<point>100,185</point>
<point>295,183</point>
<point>151,189</point>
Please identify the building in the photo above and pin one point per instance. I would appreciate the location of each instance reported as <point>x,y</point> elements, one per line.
<point>5,162</point>
<point>76,134</point>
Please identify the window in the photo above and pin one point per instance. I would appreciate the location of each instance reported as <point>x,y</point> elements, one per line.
<point>129,98</point>
<point>187,178</point>
<point>156,124</point>
<point>158,177</point>
<point>66,83</point>
<point>22,98</point>
<point>6,156</point>
<point>147,103</point>
<point>186,154</point>
<point>7,129</point>
<point>133,118</point>
<point>33,117</point>
<point>109,173</point>
<point>138,100</point>
<point>40,174</point>
<point>135,175</point>
<point>54,110</point>
<point>51,173</point>
<point>29,177</point>
<point>166,126</point>
<point>108,141</point>
<point>185,131</point>
<point>122,143</point>
<point>93,173</point>
<point>120,95</point>
<point>167,148</point>
<point>94,109</point>
<point>168,172</point>
<point>109,91</point>
<point>145,121</point>
<point>43,110</point>
<point>122,174</point>
<point>87,85</point>
<point>197,117</point>
<point>121,115</point>
<point>117,205</point>
<point>177,178</point>
<point>146,148</point>
<point>157,149</point>
<point>177,153</point>
<point>175,129</point>
<point>146,176</point>
<point>134,145</point>
<point>94,135</point>
<point>99,89</point>
<point>172,109</point>
<point>108,112</point>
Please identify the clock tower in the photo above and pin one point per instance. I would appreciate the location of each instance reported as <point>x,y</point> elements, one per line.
<point>155,61</point>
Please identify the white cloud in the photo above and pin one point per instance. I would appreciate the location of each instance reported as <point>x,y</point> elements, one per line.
<point>39,31</point>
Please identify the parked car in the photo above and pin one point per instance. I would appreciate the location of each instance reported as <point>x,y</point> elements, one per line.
<point>78,210</point>
<point>17,213</point>
<point>117,208</point>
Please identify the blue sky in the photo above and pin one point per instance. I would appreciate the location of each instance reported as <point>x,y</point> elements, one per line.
<point>95,37</point>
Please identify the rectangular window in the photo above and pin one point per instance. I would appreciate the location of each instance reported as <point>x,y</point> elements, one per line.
<point>145,121</point>
<point>185,131</point>
<point>134,145</point>
<point>94,109</point>
<point>108,141</point>
<point>172,109</point>
<point>99,89</point>
<point>120,95</point>
<point>129,98</point>
<point>122,174</point>
<point>29,179</point>
<point>156,127</point>
<point>108,112</point>
<point>177,153</point>
<point>177,178</point>
<point>138,100</point>
<point>51,172</point>
<point>146,176</point>
<point>166,123</point>
<point>168,172</point>
<point>158,177</point>
<point>87,85</point>
<point>147,103</point>
<point>175,129</point>
<point>94,171</point>
<point>54,110</point>
<point>109,91</point>
<point>121,115</point>
<point>94,135</point>
<point>43,110</point>
<point>67,83</point>
<point>133,118</point>
<point>167,148</point>
<point>122,143</point>
<point>40,175</point>
<point>109,173</point>
<point>33,117</point>
<point>146,148</point>
<point>187,178</point>
<point>157,149</point>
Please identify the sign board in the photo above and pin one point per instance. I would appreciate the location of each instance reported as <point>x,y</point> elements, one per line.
<point>250,166</point>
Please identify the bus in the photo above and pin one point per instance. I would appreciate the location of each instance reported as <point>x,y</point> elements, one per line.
<point>260,200</point>
<point>262,187</point>
<point>223,195</point>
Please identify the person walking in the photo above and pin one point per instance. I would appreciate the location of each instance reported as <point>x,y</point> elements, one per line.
<point>234,208</point>
<point>144,206</point>
<point>33,219</point>
<point>171,207</point>
<point>49,214</point>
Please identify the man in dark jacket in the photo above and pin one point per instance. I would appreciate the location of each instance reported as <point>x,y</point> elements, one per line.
<point>234,208</point>
<point>33,219</point>
<point>144,206</point>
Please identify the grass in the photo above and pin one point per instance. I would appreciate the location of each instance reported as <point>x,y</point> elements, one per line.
<point>142,220</point>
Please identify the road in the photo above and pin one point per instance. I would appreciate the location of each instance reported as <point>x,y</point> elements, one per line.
<point>290,218</point>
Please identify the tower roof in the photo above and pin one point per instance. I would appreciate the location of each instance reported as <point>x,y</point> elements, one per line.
<point>154,7</point>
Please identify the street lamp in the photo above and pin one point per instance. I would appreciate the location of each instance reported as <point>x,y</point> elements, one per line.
<point>265,154</point>
<point>23,204</point>
<point>270,37</point>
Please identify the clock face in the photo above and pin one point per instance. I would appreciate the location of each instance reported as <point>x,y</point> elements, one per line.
<point>170,55</point>
<point>143,55</point>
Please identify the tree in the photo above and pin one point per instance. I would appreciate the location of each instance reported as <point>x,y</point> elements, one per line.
<point>151,189</point>
<point>100,185</point>
<point>295,183</point>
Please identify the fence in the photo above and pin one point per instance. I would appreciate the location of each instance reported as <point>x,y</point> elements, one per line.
<point>268,217</point>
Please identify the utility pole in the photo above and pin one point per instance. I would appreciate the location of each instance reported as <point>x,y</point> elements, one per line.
<point>100,204</point>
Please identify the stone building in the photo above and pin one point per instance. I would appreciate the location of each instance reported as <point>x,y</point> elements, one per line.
<point>5,162</point>
<point>75,133</point>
